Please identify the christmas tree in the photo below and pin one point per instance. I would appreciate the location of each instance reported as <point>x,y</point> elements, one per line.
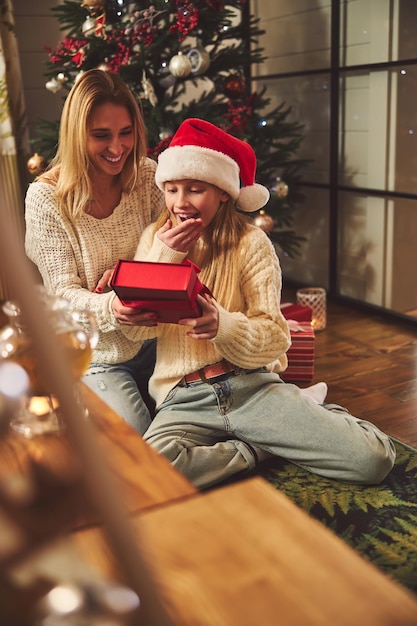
<point>184,58</point>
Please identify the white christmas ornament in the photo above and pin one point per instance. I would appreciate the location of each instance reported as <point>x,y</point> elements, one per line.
<point>180,66</point>
<point>53,85</point>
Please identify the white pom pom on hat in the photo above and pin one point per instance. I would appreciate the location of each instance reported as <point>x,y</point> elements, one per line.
<point>201,151</point>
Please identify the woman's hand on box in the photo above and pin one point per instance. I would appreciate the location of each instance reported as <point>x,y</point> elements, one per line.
<point>132,316</point>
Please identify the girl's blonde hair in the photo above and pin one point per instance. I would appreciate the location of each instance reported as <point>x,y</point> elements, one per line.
<point>69,170</point>
<point>216,252</point>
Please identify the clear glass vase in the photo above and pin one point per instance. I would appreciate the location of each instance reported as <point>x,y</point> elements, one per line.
<point>36,411</point>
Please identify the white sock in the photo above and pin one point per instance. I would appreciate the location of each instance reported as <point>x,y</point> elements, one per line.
<point>317,392</point>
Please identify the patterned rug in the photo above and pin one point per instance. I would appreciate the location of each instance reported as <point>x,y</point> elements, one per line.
<point>380,521</point>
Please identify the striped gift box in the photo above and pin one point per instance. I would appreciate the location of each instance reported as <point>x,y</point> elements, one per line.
<point>301,353</point>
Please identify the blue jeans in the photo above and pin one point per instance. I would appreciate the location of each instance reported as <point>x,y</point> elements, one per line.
<point>121,385</point>
<point>211,431</point>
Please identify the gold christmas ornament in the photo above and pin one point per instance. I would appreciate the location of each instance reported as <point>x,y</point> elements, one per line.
<point>36,164</point>
<point>148,90</point>
<point>93,5</point>
<point>281,189</point>
<point>180,65</point>
<point>264,221</point>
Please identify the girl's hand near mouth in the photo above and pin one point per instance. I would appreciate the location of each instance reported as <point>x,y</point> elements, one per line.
<point>182,236</point>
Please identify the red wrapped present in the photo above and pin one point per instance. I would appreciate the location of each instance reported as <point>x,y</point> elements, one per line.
<point>297,312</point>
<point>301,353</point>
<point>169,289</point>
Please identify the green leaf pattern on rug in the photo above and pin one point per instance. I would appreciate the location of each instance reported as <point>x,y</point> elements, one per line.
<point>379,521</point>
<point>329,494</point>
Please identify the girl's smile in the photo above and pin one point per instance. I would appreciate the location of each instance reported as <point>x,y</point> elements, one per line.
<point>192,199</point>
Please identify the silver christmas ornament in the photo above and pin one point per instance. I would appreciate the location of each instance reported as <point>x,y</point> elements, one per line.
<point>89,26</point>
<point>180,65</point>
<point>164,133</point>
<point>200,60</point>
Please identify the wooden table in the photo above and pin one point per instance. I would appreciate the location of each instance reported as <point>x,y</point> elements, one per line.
<point>245,555</point>
<point>144,479</point>
<point>239,555</point>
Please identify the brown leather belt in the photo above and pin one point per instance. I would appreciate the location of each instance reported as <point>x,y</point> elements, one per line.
<point>210,371</point>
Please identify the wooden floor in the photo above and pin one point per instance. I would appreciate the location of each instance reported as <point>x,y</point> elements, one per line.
<point>370,366</point>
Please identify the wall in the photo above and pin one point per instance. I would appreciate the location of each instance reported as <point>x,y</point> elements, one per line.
<point>37,27</point>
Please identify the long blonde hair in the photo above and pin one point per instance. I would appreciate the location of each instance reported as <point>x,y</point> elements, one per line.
<point>69,170</point>
<point>216,252</point>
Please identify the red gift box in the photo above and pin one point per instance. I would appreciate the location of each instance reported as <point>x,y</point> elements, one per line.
<point>298,312</point>
<point>301,353</point>
<point>169,289</point>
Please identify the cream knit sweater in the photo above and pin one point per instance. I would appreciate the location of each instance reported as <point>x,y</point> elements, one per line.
<point>253,334</point>
<point>71,257</point>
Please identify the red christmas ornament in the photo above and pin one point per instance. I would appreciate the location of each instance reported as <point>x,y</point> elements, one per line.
<point>234,86</point>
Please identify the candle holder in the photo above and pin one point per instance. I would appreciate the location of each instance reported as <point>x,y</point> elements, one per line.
<point>315,298</point>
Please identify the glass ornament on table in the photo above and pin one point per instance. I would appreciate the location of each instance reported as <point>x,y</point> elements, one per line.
<point>37,412</point>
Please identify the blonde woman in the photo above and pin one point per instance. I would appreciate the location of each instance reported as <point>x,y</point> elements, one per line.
<point>88,210</point>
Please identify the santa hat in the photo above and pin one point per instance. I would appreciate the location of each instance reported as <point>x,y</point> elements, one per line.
<point>201,151</point>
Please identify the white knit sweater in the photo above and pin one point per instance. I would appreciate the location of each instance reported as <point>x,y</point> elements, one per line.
<point>253,334</point>
<point>72,257</point>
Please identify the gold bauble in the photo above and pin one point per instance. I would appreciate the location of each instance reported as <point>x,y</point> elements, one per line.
<point>36,164</point>
<point>93,5</point>
<point>264,221</point>
<point>281,190</point>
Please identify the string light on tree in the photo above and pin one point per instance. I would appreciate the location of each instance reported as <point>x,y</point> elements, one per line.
<point>62,78</point>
